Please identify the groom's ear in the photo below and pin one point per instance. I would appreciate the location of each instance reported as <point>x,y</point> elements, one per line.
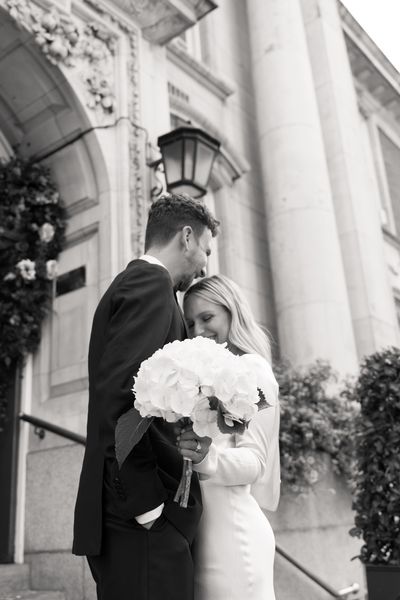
<point>186,235</point>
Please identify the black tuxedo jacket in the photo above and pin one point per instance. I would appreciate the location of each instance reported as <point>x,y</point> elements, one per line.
<point>137,315</point>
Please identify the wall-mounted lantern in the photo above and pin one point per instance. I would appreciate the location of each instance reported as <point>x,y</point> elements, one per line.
<point>188,154</point>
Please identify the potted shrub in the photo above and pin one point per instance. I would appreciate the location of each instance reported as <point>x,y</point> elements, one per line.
<point>377,476</point>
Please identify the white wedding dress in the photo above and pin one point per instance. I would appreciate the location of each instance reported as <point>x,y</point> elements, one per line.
<point>241,474</point>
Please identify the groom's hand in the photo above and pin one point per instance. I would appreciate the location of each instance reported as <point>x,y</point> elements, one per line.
<point>192,446</point>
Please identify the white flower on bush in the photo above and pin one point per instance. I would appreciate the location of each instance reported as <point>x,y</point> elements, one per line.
<point>41,199</point>
<point>46,232</point>
<point>51,269</point>
<point>27,269</point>
<point>9,277</point>
<point>313,476</point>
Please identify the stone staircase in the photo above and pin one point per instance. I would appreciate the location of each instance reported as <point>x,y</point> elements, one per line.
<point>14,585</point>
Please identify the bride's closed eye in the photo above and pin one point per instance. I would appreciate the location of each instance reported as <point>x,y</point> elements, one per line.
<point>203,318</point>
<point>206,318</point>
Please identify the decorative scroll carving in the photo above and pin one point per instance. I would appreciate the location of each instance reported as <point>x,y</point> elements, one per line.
<point>65,42</point>
<point>139,205</point>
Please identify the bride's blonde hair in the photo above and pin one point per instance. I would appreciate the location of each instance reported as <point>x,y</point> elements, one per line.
<point>244,333</point>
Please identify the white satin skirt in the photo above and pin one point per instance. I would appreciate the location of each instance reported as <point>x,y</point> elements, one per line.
<point>235,549</point>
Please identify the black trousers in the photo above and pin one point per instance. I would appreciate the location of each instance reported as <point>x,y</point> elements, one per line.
<point>140,564</point>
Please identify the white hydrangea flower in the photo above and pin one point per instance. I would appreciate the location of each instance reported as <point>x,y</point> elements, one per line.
<point>51,269</point>
<point>27,269</point>
<point>46,232</point>
<point>9,277</point>
<point>180,379</point>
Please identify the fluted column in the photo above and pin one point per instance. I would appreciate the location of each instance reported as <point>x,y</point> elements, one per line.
<point>309,284</point>
<point>356,204</point>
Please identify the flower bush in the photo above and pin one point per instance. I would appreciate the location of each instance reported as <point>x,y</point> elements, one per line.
<point>377,491</point>
<point>32,224</point>
<point>317,418</point>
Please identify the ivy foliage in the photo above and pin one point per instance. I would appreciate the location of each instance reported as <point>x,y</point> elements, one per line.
<point>318,417</point>
<point>32,226</point>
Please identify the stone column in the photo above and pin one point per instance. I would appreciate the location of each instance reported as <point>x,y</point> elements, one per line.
<point>310,293</point>
<point>356,205</point>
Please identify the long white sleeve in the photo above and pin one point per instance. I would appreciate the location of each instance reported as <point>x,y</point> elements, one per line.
<point>231,466</point>
<point>255,457</point>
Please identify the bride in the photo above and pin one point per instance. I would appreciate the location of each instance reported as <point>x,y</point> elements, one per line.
<point>240,475</point>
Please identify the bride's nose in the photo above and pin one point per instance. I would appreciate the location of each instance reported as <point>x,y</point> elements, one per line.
<point>198,329</point>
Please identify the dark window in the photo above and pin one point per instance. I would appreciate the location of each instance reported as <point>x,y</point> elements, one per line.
<point>391,159</point>
<point>397,303</point>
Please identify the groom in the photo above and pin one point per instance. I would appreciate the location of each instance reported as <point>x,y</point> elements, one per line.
<point>136,538</point>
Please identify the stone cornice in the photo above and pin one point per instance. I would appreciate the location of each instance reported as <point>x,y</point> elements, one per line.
<point>371,68</point>
<point>200,72</point>
<point>162,20</point>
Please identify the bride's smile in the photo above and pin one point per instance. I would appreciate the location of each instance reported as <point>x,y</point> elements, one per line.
<point>207,319</point>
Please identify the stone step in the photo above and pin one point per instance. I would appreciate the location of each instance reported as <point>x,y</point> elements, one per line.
<point>13,578</point>
<point>31,595</point>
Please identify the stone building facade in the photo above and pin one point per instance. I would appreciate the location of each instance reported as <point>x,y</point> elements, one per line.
<point>307,187</point>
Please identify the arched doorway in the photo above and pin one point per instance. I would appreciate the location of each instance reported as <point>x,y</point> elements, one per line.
<point>40,114</point>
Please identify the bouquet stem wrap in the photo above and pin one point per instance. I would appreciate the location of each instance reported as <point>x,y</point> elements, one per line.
<point>182,493</point>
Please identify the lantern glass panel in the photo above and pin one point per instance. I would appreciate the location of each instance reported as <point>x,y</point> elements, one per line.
<point>204,160</point>
<point>190,146</point>
<point>172,157</point>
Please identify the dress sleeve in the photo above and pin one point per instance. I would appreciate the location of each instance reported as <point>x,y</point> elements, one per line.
<point>255,458</point>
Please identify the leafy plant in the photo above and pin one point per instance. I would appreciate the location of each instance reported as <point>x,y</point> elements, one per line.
<point>377,490</point>
<point>316,419</point>
<point>32,224</point>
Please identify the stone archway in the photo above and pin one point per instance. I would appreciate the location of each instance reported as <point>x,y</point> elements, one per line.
<point>40,114</point>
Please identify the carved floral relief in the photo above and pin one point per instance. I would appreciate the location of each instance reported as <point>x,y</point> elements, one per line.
<point>64,41</point>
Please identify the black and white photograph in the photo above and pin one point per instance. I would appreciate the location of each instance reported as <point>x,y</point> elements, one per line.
<point>199,300</point>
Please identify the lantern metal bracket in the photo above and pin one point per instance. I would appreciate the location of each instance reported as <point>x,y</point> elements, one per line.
<point>158,178</point>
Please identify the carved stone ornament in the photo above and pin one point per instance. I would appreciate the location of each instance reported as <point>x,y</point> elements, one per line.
<point>66,42</point>
<point>138,204</point>
<point>139,201</point>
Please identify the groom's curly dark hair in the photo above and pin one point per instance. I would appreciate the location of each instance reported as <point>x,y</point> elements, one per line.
<point>170,213</point>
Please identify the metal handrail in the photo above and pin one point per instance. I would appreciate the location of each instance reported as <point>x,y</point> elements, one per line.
<point>43,426</point>
<point>351,589</point>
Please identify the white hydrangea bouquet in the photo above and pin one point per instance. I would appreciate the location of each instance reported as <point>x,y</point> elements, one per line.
<point>197,381</point>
